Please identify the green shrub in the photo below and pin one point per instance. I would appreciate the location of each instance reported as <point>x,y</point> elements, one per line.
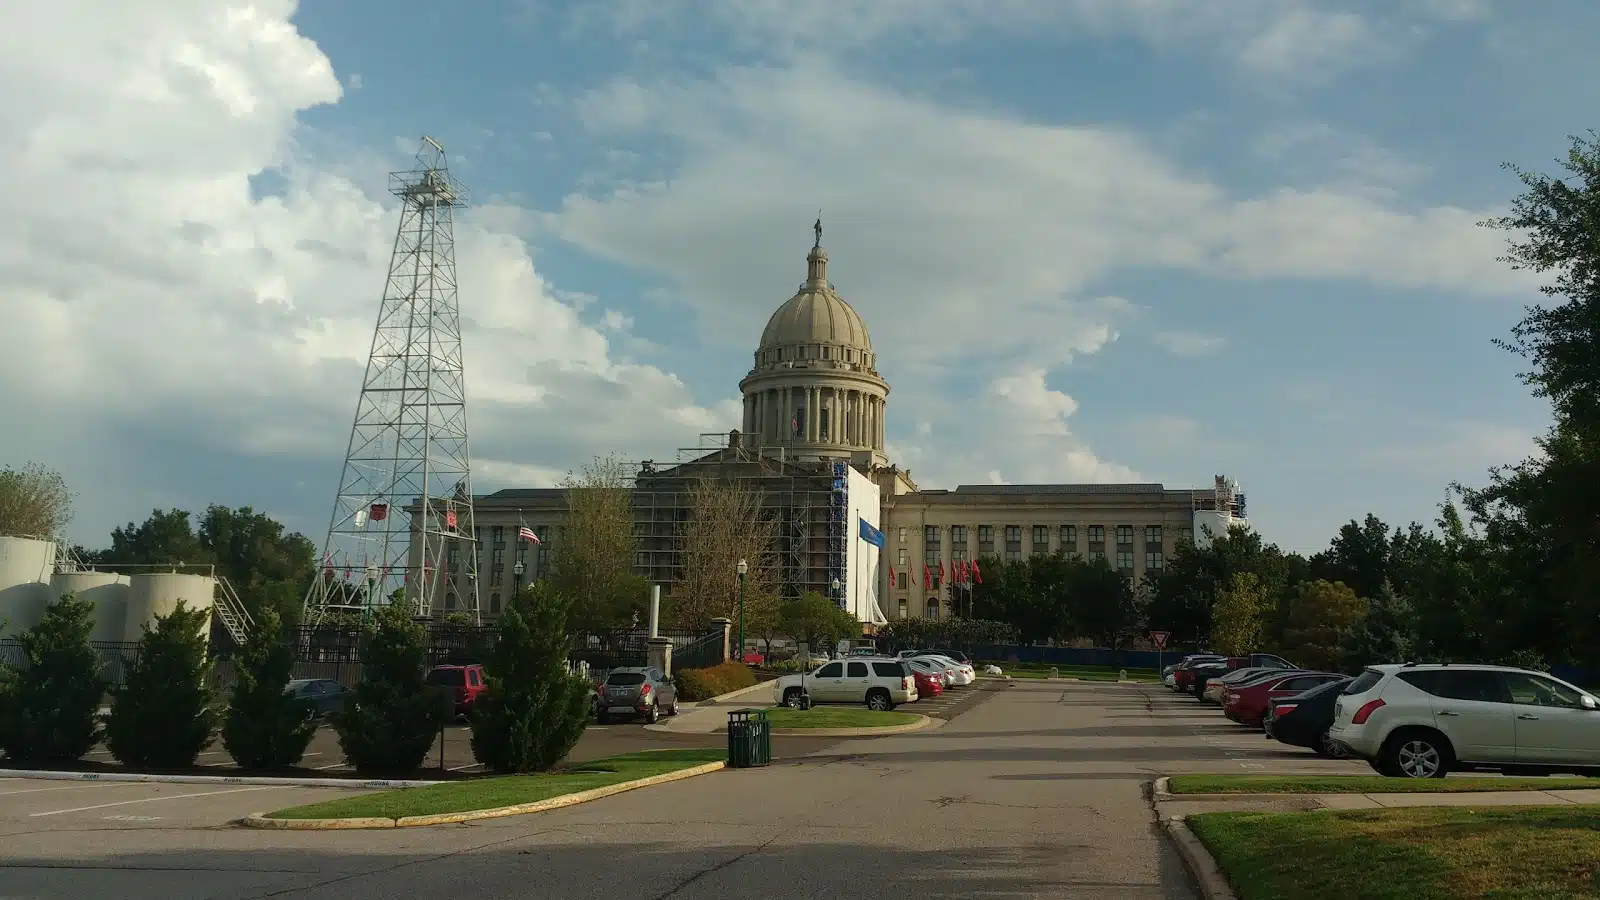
<point>390,723</point>
<point>162,716</point>
<point>533,710</point>
<point>266,728</point>
<point>703,684</point>
<point>52,706</point>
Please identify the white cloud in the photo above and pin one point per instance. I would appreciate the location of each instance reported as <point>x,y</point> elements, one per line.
<point>1454,450</point>
<point>1189,343</point>
<point>146,292</point>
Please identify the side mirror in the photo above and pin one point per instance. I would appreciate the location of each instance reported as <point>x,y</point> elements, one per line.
<point>1589,703</point>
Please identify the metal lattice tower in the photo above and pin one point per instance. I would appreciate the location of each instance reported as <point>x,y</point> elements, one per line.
<point>403,515</point>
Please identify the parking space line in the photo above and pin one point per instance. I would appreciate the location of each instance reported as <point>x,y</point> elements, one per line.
<point>72,787</point>
<point>57,812</point>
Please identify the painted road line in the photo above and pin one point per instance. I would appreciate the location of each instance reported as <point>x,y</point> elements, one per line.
<point>73,787</point>
<point>58,812</point>
<point>467,766</point>
<point>337,765</point>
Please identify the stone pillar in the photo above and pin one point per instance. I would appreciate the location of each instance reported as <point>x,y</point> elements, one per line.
<point>658,654</point>
<point>814,411</point>
<point>727,630</point>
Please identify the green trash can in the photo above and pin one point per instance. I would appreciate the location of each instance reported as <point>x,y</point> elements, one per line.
<point>749,739</point>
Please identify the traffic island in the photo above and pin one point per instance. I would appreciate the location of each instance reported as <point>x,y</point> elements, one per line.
<point>490,798</point>
<point>1233,786</point>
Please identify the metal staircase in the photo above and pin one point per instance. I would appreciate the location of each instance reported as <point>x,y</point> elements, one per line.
<point>235,618</point>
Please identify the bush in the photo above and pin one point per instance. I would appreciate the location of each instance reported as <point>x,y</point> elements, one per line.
<point>161,716</point>
<point>703,684</point>
<point>265,727</point>
<point>51,708</point>
<point>390,723</point>
<point>533,710</point>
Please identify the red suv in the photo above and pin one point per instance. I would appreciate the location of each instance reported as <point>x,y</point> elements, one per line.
<point>467,681</point>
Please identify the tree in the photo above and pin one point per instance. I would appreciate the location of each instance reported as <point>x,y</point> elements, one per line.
<point>533,710</point>
<point>1320,614</point>
<point>390,723</point>
<point>52,705</point>
<point>726,524</point>
<point>761,616</point>
<point>34,501</point>
<point>162,716</point>
<point>1360,556</point>
<point>1029,595</point>
<point>1238,617</point>
<point>166,537</point>
<point>1181,596</point>
<point>1100,603</point>
<point>267,567</point>
<point>1383,635</point>
<point>594,563</point>
<point>817,621</point>
<point>266,728</point>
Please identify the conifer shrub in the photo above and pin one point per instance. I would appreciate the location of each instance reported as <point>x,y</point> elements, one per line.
<point>533,710</point>
<point>50,707</point>
<point>266,728</point>
<point>162,715</point>
<point>390,723</point>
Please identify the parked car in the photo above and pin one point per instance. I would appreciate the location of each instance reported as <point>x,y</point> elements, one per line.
<point>961,674</point>
<point>322,695</point>
<point>880,683</point>
<point>1217,685</point>
<point>928,684</point>
<point>753,658</point>
<point>956,655</point>
<point>919,666</point>
<point>1184,673</point>
<point>636,691</point>
<point>1247,703</point>
<point>1302,720</point>
<point>466,681</point>
<point>1425,720</point>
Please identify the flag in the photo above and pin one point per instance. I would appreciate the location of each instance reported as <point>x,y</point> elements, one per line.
<point>871,535</point>
<point>525,533</point>
<point>380,511</point>
<point>450,519</point>
<point>927,576</point>
<point>941,571</point>
<point>892,581</point>
<point>966,570</point>
<point>977,573</point>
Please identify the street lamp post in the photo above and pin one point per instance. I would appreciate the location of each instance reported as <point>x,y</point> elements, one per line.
<point>742,569</point>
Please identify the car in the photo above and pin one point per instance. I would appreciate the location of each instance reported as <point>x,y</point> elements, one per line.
<point>466,681</point>
<point>1425,720</point>
<point>918,666</point>
<point>1183,674</point>
<point>1217,685</point>
<point>1302,720</point>
<point>881,683</point>
<point>636,691</point>
<point>961,674</point>
<point>323,695</point>
<point>1247,703</point>
<point>928,683</point>
<point>956,655</point>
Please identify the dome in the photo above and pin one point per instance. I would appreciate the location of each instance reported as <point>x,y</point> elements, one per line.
<point>816,315</point>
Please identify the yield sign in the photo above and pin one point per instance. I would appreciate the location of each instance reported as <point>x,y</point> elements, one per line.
<point>1159,638</point>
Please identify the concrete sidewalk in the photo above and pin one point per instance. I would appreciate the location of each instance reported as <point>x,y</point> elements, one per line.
<point>707,716</point>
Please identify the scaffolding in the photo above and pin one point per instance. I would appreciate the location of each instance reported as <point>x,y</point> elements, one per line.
<point>802,497</point>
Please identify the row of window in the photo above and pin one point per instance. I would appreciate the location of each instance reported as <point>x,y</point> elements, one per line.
<point>497,534</point>
<point>933,535</point>
<point>813,351</point>
<point>1153,560</point>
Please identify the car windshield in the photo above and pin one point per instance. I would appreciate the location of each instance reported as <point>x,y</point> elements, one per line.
<point>625,678</point>
<point>447,677</point>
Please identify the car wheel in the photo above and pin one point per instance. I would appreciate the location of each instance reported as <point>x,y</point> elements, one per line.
<point>791,698</point>
<point>1327,747</point>
<point>878,700</point>
<point>673,709</point>
<point>652,715</point>
<point>1415,754</point>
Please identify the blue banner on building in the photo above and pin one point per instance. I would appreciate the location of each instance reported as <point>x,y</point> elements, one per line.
<point>871,535</point>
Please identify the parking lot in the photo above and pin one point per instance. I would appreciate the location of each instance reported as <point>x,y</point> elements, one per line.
<point>29,805</point>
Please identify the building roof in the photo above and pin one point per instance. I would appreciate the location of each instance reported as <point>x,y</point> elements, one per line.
<point>1058,489</point>
<point>816,314</point>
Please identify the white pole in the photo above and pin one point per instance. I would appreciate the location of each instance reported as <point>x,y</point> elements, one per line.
<point>655,610</point>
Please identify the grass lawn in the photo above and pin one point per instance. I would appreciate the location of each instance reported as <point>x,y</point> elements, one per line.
<point>1365,784</point>
<point>836,717</point>
<point>1084,673</point>
<point>508,790</point>
<point>1432,853</point>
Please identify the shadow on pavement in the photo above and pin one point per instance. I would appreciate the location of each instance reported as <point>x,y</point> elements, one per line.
<point>487,864</point>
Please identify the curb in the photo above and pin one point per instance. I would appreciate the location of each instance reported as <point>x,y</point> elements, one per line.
<point>1198,860</point>
<point>1163,794</point>
<point>701,704</point>
<point>926,723</point>
<point>260,820</point>
<point>354,784</point>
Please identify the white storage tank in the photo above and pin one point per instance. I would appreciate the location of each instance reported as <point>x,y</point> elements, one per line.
<point>158,594</point>
<point>108,591</point>
<point>25,568</point>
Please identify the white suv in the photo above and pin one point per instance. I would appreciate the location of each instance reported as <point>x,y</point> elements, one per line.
<point>879,682</point>
<point>1423,720</point>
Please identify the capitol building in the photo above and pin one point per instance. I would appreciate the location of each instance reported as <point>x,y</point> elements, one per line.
<point>854,525</point>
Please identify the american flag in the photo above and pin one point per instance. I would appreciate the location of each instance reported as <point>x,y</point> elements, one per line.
<point>526,534</point>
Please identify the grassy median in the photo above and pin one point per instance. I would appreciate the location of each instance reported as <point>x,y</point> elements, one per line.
<point>1431,853</point>
<point>509,790</point>
<point>1082,673</point>
<point>836,717</point>
<point>1365,784</point>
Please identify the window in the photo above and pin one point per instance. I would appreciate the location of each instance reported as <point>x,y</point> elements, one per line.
<point>1459,684</point>
<point>1153,560</point>
<point>1364,682</point>
<point>822,429</point>
<point>1152,535</point>
<point>958,536</point>
<point>959,552</point>
<point>1531,690</point>
<point>1013,542</point>
<point>1125,560</point>
<point>986,540</point>
<point>450,600</point>
<point>902,530</point>
<point>930,535</point>
<point>1096,555</point>
<point>856,670</point>
<point>494,603</point>
<point>933,607</point>
<point>905,557</point>
<point>831,670</point>
<point>1069,537</point>
<point>498,535</point>
<point>1097,535</point>
<point>452,558</point>
<point>1041,538</point>
<point>497,573</point>
<point>499,557</point>
<point>889,670</point>
<point>1125,535</point>
<point>1185,535</point>
<point>901,577</point>
<point>522,553</point>
<point>904,612</point>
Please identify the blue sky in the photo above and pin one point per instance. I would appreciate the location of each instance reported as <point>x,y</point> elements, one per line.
<point>1094,240</point>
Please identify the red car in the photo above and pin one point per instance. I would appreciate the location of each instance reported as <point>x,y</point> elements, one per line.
<point>928,685</point>
<point>1248,704</point>
<point>467,681</point>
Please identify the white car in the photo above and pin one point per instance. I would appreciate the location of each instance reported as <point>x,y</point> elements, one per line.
<point>930,668</point>
<point>960,673</point>
<point>1425,720</point>
<point>879,682</point>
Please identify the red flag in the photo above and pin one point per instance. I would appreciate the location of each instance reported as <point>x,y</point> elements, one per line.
<point>941,571</point>
<point>450,519</point>
<point>913,577</point>
<point>892,581</point>
<point>966,570</point>
<point>977,572</point>
<point>927,576</point>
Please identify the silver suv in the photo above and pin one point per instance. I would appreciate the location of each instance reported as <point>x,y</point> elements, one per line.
<point>635,691</point>
<point>1424,720</point>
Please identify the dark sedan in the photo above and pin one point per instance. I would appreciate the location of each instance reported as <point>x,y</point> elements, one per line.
<point>1303,719</point>
<point>322,695</point>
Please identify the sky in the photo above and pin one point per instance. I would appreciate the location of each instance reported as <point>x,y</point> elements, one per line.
<point>1094,240</point>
